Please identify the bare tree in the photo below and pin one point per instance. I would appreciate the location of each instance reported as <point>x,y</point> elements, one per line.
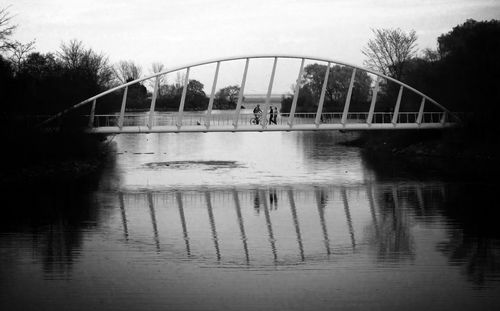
<point>6,29</point>
<point>157,67</point>
<point>19,52</point>
<point>390,50</point>
<point>126,71</point>
<point>76,57</point>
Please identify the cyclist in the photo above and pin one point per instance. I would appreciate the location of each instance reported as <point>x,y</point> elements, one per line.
<point>257,112</point>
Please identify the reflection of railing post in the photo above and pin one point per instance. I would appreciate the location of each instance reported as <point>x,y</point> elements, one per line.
<point>241,224</point>
<point>348,216</point>
<point>348,98</point>
<point>153,220</point>
<point>296,223</point>
<point>212,224</point>
<point>268,95</point>
<point>269,225</point>
<point>321,210</point>
<point>183,222</point>
<point>124,215</point>
<point>322,96</point>
<point>212,96</point>
<point>240,95</point>
<point>122,109</point>
<point>183,99</point>
<point>374,100</point>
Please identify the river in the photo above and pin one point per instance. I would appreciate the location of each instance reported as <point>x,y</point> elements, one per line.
<point>250,221</point>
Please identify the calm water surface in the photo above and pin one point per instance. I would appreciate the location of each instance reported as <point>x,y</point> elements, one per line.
<point>250,221</point>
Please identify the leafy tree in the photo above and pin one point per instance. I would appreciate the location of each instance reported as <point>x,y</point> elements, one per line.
<point>336,90</point>
<point>470,71</point>
<point>170,97</point>
<point>227,97</point>
<point>390,51</point>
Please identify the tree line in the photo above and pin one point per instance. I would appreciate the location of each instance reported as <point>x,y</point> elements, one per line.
<point>462,73</point>
<point>46,83</point>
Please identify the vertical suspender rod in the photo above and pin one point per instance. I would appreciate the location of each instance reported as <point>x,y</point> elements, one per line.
<point>398,104</point>
<point>348,98</point>
<point>212,95</point>
<point>153,103</point>
<point>268,96</point>
<point>296,95</point>
<point>122,110</point>
<point>240,95</point>
<point>322,97</point>
<point>374,100</point>
<point>183,99</point>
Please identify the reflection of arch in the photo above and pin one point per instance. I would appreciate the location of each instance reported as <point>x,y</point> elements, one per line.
<point>321,203</point>
<point>212,224</point>
<point>153,221</point>
<point>417,120</point>
<point>387,225</point>
<point>183,222</point>
<point>123,214</point>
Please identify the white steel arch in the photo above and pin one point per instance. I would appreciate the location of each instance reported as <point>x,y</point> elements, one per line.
<point>443,118</point>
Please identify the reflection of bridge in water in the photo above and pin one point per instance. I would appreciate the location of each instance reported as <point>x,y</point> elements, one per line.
<point>297,225</point>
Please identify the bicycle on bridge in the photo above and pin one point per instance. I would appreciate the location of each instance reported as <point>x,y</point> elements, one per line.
<point>258,119</point>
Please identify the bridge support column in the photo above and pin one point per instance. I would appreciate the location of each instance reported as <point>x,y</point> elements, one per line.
<point>122,110</point>
<point>374,100</point>
<point>296,94</point>
<point>322,97</point>
<point>240,95</point>
<point>212,95</point>
<point>183,99</point>
<point>348,98</point>
<point>268,96</point>
<point>398,104</point>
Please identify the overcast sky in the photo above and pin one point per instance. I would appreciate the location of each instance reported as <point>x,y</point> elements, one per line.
<point>176,32</point>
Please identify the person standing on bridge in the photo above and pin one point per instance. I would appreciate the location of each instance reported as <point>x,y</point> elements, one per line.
<point>274,115</point>
<point>257,112</point>
<point>271,115</point>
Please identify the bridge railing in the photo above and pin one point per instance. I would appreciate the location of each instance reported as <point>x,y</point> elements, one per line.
<point>197,119</point>
<point>150,119</point>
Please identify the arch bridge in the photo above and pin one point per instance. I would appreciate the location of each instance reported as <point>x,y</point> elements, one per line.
<point>430,115</point>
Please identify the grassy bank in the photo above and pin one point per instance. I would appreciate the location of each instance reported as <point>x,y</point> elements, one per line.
<point>451,154</point>
<point>32,156</point>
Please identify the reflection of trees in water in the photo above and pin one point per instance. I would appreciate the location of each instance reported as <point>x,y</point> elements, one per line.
<point>390,232</point>
<point>474,245</point>
<point>478,256</point>
<point>56,217</point>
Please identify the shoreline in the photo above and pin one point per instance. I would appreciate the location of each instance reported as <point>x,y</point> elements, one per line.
<point>450,158</point>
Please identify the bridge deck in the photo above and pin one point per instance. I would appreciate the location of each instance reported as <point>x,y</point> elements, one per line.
<point>270,128</point>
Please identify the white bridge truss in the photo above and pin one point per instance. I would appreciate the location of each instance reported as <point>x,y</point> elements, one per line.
<point>238,121</point>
